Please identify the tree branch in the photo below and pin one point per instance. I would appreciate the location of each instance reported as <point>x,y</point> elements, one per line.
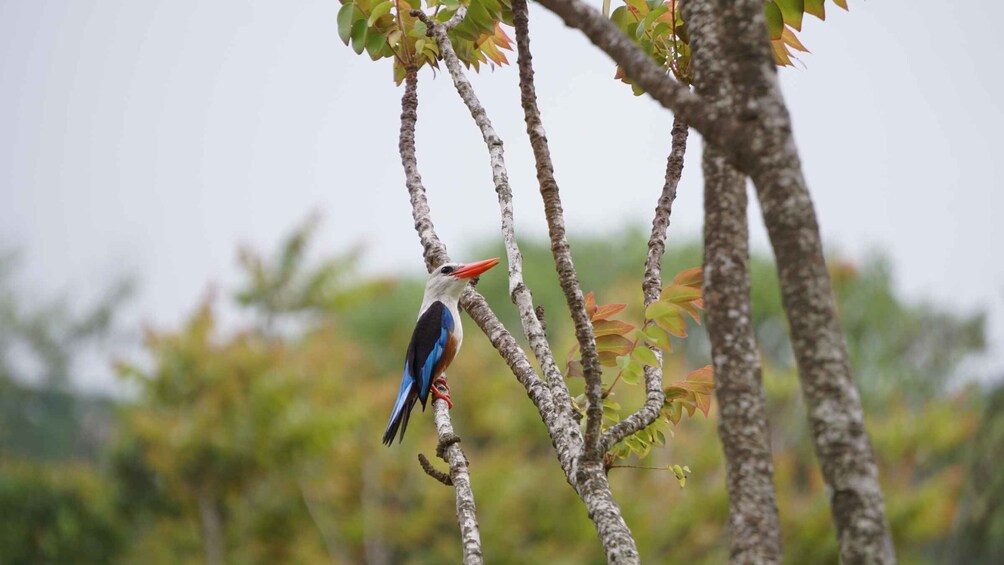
<point>435,254</point>
<point>586,475</point>
<point>460,477</point>
<point>560,249</point>
<point>742,426</point>
<point>655,396</point>
<point>728,135</point>
<point>835,414</point>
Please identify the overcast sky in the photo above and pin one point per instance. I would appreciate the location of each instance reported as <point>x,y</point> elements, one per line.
<point>155,136</point>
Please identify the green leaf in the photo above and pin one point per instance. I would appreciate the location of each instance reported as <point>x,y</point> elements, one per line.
<point>646,356</point>
<point>816,8</point>
<point>658,337</point>
<point>791,12</point>
<point>358,36</point>
<point>632,373</point>
<point>661,309</point>
<point>375,42</point>
<point>679,293</point>
<point>380,10</point>
<point>841,3</point>
<point>345,21</point>
<point>674,325</point>
<point>775,22</point>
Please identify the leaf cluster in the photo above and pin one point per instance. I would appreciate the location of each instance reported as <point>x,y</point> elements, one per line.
<point>386,29</point>
<point>630,349</point>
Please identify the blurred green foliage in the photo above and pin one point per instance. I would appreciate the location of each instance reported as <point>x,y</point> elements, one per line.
<point>263,440</point>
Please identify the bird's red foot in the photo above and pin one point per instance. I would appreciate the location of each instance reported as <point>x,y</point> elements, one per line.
<point>442,394</point>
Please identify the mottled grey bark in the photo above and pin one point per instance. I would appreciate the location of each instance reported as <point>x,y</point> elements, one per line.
<point>435,254</point>
<point>560,249</point>
<point>655,396</point>
<point>585,473</point>
<point>759,143</point>
<point>460,477</point>
<point>836,417</point>
<point>754,528</point>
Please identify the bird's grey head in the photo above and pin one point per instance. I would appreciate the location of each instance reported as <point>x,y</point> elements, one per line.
<point>449,279</point>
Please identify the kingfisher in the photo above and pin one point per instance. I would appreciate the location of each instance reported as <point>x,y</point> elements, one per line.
<point>434,343</point>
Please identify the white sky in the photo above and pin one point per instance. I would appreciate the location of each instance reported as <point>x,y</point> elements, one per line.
<point>155,136</point>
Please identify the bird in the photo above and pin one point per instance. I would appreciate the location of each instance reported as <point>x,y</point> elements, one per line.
<point>434,342</point>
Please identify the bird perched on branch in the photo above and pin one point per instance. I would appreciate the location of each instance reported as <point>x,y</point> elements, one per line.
<point>434,343</point>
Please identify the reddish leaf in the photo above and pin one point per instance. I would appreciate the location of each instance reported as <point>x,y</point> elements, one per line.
<point>573,369</point>
<point>616,344</point>
<point>690,277</point>
<point>611,327</point>
<point>608,358</point>
<point>590,303</point>
<point>789,37</point>
<point>607,310</point>
<point>675,392</point>
<point>692,310</point>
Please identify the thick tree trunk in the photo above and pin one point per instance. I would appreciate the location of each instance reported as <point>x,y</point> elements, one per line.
<point>754,529</point>
<point>836,417</point>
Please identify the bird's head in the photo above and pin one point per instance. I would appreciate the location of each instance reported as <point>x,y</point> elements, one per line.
<point>450,279</point>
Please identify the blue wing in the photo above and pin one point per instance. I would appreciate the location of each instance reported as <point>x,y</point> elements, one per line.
<point>430,344</point>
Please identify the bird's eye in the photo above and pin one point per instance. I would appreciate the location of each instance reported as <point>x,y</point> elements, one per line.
<point>446,270</point>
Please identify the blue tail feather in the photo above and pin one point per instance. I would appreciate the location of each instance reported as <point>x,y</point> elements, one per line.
<point>406,398</point>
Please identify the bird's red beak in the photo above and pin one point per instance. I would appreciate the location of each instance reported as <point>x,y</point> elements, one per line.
<point>471,270</point>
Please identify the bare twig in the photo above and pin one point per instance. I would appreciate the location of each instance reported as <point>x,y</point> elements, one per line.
<point>434,472</point>
<point>655,397</point>
<point>560,249</point>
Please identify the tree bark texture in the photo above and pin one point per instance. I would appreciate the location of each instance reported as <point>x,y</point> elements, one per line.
<point>560,249</point>
<point>655,396</point>
<point>435,254</point>
<point>754,528</point>
<point>467,517</point>
<point>618,543</point>
<point>759,143</point>
<point>836,417</point>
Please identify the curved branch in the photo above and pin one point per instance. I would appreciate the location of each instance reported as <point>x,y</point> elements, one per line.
<point>655,396</point>
<point>560,250</point>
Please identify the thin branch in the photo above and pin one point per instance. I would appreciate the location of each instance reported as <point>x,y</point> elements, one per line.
<point>434,472</point>
<point>518,291</point>
<point>673,95</point>
<point>460,477</point>
<point>560,249</point>
<point>432,248</point>
<point>655,397</point>
<point>435,254</point>
<point>587,476</point>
